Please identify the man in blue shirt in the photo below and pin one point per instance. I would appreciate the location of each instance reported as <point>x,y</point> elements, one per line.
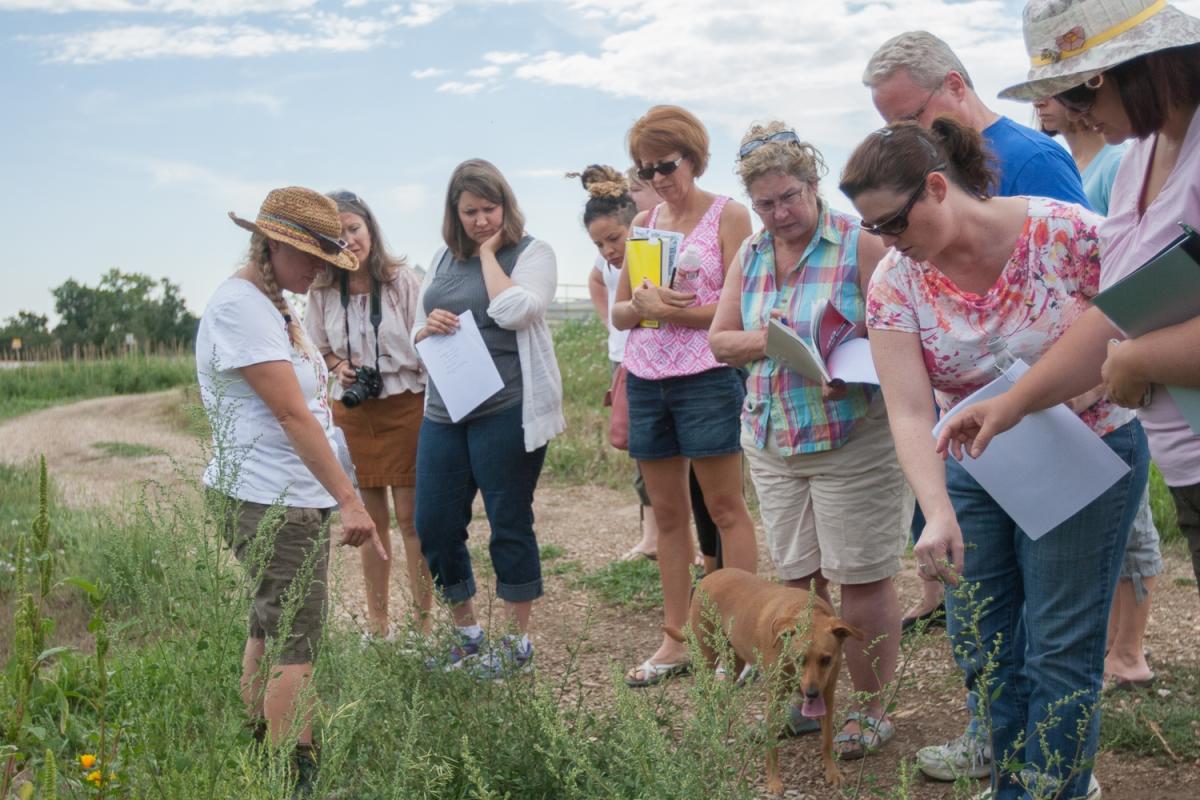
<point>916,77</point>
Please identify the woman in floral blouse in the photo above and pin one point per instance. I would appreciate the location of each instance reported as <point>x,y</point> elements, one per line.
<point>968,270</point>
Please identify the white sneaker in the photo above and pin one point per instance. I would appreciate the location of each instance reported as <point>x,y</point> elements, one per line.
<point>1093,792</point>
<point>966,756</point>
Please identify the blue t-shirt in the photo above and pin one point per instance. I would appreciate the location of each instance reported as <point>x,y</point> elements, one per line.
<point>1099,174</point>
<point>1032,164</point>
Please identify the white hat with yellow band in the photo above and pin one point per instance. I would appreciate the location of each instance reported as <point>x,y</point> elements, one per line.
<point>1071,41</point>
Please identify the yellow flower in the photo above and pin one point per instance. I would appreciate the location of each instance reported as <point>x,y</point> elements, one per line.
<point>94,777</point>
<point>87,761</point>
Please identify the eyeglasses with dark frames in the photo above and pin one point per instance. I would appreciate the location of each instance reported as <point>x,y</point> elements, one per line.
<point>897,223</point>
<point>779,136</point>
<point>663,168</point>
<point>787,200</point>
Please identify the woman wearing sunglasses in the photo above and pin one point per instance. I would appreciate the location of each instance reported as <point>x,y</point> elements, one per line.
<point>832,496</point>
<point>275,473</point>
<point>1141,84</point>
<point>683,403</point>
<point>969,276</point>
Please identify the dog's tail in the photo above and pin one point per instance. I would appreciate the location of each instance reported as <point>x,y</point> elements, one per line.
<point>674,633</point>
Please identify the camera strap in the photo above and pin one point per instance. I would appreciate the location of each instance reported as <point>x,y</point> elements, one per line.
<point>376,314</point>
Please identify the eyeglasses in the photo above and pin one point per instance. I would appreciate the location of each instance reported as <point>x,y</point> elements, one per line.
<point>752,145</point>
<point>328,244</point>
<point>914,116</point>
<point>787,200</point>
<point>897,223</point>
<point>663,168</point>
<point>1078,99</point>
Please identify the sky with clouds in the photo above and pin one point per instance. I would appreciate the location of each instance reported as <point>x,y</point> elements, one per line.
<point>133,126</point>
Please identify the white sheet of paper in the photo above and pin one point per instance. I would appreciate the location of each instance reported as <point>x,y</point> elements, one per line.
<point>1046,468</point>
<point>461,367</point>
<point>851,362</point>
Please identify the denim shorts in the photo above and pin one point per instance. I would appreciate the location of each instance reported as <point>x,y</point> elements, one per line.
<point>695,416</point>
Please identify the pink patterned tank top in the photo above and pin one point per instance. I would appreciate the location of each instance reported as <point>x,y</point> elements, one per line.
<point>671,351</point>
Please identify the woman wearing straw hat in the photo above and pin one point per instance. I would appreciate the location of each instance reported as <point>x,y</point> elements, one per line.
<point>364,319</point>
<point>1130,70</point>
<point>264,388</point>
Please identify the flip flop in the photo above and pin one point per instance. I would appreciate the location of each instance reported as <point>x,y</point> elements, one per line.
<point>654,674</point>
<point>873,734</point>
<point>633,554</point>
<point>1114,684</point>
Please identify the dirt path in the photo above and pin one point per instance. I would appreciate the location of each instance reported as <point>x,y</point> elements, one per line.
<point>594,526</point>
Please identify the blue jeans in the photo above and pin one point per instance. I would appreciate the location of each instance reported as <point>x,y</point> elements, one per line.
<point>454,461</point>
<point>1043,613</point>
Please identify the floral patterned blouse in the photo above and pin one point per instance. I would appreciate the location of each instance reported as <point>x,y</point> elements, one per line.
<point>1049,280</point>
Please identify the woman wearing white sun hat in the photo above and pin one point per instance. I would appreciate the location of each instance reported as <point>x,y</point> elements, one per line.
<point>1129,69</point>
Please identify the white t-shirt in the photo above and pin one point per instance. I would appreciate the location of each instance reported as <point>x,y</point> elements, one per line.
<point>252,457</point>
<point>616,338</point>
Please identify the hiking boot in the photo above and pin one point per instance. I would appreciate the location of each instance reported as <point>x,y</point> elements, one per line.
<point>967,756</point>
<point>304,762</point>
<point>464,650</point>
<point>507,658</point>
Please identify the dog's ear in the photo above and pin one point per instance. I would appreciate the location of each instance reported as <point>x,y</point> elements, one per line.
<point>841,630</point>
<point>782,626</point>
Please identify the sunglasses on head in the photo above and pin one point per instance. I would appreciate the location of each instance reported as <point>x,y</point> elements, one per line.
<point>897,223</point>
<point>1080,99</point>
<point>328,244</point>
<point>663,168</point>
<point>752,145</point>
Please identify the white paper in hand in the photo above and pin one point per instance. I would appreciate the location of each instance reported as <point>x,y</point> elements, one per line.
<point>1045,469</point>
<point>461,367</point>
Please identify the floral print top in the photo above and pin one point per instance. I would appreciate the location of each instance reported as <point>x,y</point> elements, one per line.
<point>1049,280</point>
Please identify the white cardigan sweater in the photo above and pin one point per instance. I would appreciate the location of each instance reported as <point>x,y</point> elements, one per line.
<point>522,309</point>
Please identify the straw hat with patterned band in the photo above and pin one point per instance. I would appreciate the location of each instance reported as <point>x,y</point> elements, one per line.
<point>1072,41</point>
<point>306,220</point>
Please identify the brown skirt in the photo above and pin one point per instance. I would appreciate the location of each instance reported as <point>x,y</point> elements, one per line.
<point>382,435</point>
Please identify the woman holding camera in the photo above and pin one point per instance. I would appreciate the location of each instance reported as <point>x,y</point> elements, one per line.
<point>361,322</point>
<point>506,279</point>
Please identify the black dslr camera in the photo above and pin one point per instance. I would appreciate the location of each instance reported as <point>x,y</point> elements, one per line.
<point>368,383</point>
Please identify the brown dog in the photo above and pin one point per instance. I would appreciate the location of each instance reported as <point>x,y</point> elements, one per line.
<point>794,638</point>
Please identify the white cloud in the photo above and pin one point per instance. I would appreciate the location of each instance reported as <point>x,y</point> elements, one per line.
<point>428,72</point>
<point>200,8</point>
<point>132,42</point>
<point>270,103</point>
<point>225,192</point>
<point>406,197</point>
<point>459,87</point>
<point>417,15</point>
<point>503,57</point>
<point>484,73</point>
<point>801,62</point>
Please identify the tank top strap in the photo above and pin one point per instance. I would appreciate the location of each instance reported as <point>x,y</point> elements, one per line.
<point>653,218</point>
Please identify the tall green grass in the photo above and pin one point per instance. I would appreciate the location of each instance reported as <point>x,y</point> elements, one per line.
<point>582,455</point>
<point>37,386</point>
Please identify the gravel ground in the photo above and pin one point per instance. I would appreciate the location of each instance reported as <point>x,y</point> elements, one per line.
<point>594,526</point>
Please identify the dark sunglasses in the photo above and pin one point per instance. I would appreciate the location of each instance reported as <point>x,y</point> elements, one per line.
<point>897,223</point>
<point>663,168</point>
<point>328,244</point>
<point>1080,99</point>
<point>752,145</point>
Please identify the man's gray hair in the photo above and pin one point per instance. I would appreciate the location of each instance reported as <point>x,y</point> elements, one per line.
<point>926,58</point>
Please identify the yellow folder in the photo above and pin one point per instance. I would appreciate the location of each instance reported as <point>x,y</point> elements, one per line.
<point>644,258</point>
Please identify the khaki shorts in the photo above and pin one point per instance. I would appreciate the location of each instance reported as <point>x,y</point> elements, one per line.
<point>845,512</point>
<point>300,550</point>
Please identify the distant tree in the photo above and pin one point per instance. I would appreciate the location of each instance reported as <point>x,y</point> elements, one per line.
<point>32,329</point>
<point>122,303</point>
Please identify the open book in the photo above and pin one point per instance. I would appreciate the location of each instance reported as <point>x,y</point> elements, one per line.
<point>835,350</point>
<point>1046,468</point>
<point>1162,292</point>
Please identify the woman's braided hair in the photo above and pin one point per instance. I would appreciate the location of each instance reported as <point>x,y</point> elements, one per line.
<point>260,255</point>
